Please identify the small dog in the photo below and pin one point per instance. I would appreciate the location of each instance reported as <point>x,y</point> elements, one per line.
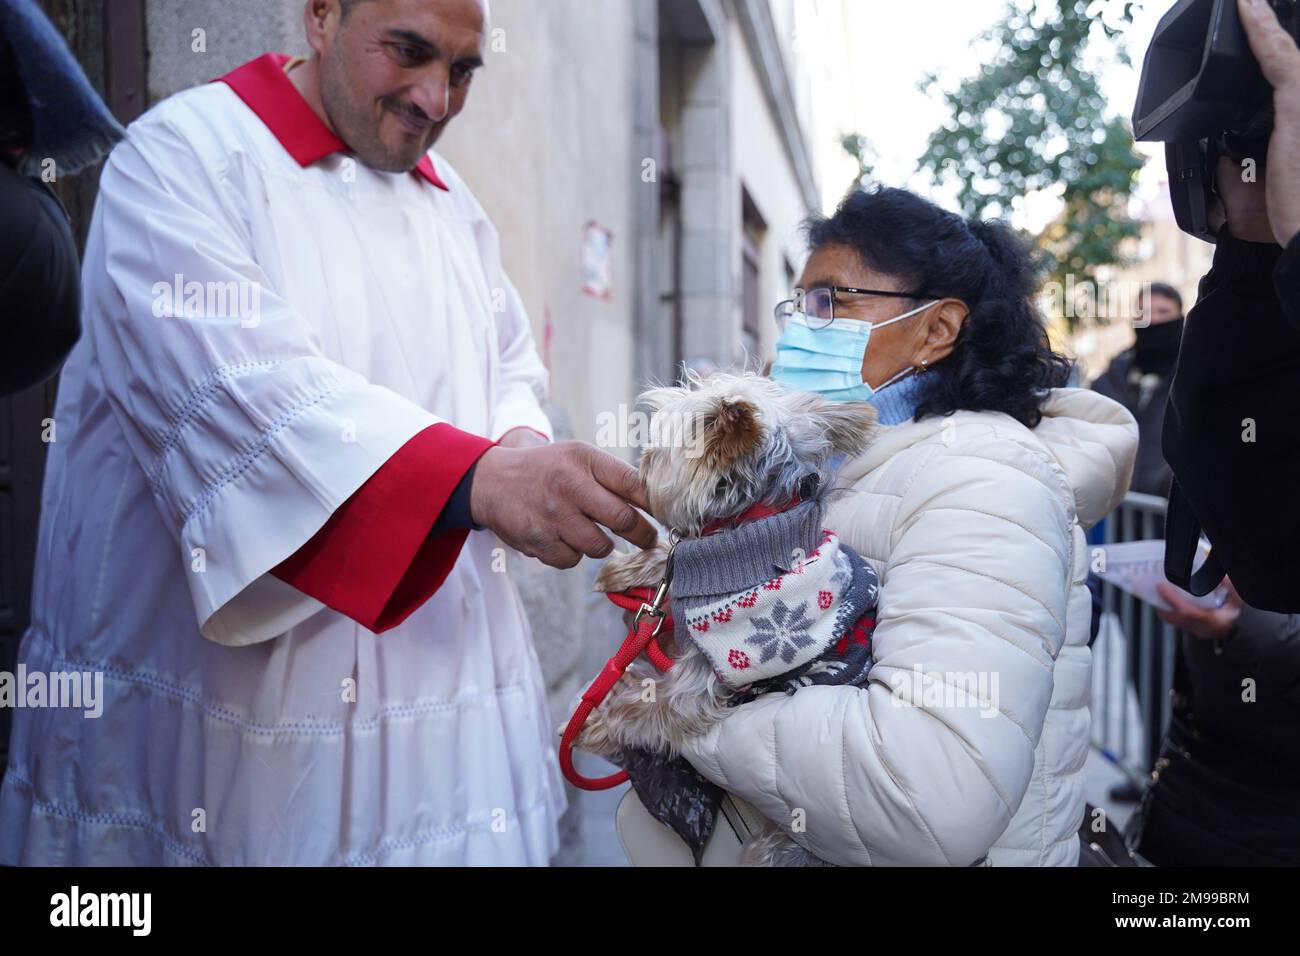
<point>726,454</point>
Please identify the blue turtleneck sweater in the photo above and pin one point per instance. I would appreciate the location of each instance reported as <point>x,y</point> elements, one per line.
<point>897,403</point>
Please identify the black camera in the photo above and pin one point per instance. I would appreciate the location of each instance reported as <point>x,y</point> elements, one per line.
<point>1203,95</point>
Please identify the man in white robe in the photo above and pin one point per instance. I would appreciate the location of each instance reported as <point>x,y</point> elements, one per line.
<point>304,378</point>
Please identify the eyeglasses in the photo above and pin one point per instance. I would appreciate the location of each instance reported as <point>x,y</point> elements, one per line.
<point>818,304</point>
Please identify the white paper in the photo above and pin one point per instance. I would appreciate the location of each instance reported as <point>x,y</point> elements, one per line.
<point>1137,566</point>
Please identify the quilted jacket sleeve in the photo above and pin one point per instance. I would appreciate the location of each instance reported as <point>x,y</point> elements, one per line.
<point>927,765</point>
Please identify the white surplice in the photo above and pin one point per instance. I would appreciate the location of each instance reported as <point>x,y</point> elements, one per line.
<point>195,451</point>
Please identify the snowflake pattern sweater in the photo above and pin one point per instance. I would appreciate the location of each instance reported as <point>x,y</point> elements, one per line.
<point>779,602</point>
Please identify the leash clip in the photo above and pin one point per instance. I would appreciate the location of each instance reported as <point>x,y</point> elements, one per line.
<point>635,643</point>
<point>655,607</point>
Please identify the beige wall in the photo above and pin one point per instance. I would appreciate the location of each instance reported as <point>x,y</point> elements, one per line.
<point>546,145</point>
<point>763,168</point>
<point>233,32</point>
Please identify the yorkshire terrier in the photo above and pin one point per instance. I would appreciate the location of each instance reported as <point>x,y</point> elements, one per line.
<point>763,598</point>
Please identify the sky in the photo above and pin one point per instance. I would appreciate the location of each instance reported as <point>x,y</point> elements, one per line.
<point>889,47</point>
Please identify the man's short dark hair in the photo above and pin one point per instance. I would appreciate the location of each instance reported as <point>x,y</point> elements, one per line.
<point>1169,292</point>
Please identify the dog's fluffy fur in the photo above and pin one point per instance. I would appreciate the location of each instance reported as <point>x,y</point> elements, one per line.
<point>720,446</point>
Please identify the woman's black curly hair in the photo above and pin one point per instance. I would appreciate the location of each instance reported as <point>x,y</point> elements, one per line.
<point>1002,360</point>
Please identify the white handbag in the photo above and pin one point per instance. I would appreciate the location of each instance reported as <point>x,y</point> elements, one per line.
<point>647,842</point>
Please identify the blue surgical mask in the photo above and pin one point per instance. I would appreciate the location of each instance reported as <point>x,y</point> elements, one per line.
<point>828,360</point>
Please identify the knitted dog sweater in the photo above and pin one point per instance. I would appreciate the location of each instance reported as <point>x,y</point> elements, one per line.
<point>776,604</point>
<point>780,601</point>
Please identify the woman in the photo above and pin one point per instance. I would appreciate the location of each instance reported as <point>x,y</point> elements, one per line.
<point>968,745</point>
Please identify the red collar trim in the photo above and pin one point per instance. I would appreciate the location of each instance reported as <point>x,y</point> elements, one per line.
<point>267,90</point>
<point>755,513</point>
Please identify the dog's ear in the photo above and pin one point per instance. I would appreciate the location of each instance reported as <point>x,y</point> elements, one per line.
<point>849,426</point>
<point>730,429</point>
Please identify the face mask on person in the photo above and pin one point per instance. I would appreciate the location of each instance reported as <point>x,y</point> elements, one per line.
<point>828,360</point>
<point>1157,346</point>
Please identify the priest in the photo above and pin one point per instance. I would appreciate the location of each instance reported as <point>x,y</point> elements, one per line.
<point>302,420</point>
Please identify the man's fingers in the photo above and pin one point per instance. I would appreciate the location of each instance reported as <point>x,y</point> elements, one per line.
<point>621,518</point>
<point>559,555</point>
<point>620,478</point>
<point>643,534</point>
<point>584,536</point>
<point>624,485</point>
<point>1274,48</point>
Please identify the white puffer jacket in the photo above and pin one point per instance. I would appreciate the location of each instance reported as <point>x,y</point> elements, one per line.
<point>971,737</point>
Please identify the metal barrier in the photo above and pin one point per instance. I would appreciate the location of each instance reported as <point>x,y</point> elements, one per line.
<point>1136,650</point>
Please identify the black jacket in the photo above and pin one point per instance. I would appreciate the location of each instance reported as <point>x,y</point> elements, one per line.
<point>1226,789</point>
<point>1263,650</point>
<point>1147,401</point>
<point>39,282</point>
<point>1232,429</point>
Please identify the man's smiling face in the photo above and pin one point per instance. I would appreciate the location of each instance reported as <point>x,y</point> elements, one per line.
<point>393,73</point>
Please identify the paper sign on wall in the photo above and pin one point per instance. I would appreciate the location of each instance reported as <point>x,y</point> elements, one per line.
<point>596,245</point>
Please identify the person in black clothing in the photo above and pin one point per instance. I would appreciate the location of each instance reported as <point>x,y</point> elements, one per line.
<point>1232,430</point>
<point>1226,787</point>
<point>51,123</point>
<point>39,302</point>
<point>1139,378</point>
<point>39,285</point>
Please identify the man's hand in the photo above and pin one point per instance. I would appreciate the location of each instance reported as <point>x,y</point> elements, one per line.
<point>547,501</point>
<point>1277,217</point>
<point>1208,623</point>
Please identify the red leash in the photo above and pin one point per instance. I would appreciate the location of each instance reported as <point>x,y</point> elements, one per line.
<point>651,618</point>
<point>633,599</point>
